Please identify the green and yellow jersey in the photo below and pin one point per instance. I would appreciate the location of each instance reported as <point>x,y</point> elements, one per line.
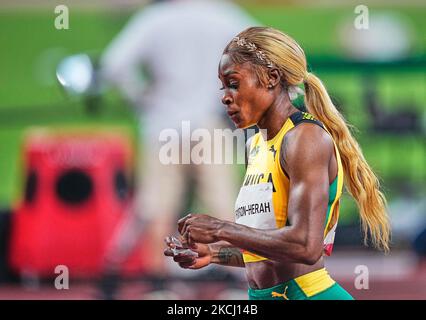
<point>263,199</point>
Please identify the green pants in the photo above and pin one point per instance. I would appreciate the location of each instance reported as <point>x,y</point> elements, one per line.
<point>314,286</point>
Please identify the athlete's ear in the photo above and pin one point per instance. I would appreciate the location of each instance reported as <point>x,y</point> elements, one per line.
<point>274,78</point>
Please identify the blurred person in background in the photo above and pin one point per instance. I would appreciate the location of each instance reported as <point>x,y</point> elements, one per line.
<point>178,44</point>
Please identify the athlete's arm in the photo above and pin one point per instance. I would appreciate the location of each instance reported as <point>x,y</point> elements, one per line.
<point>306,155</point>
<point>226,254</point>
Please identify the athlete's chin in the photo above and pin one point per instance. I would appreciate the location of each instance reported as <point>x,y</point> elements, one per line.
<point>241,123</point>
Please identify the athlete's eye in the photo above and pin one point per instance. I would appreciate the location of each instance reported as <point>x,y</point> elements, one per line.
<point>233,85</point>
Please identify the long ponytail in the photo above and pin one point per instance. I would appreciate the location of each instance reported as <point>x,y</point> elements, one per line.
<point>361,182</point>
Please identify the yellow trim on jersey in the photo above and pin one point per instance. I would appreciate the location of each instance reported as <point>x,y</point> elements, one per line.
<point>314,282</point>
<point>340,176</point>
<point>251,257</point>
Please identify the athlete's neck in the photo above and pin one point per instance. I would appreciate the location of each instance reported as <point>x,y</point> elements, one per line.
<point>276,115</point>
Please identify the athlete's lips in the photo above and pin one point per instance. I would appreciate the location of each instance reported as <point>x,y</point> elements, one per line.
<point>232,113</point>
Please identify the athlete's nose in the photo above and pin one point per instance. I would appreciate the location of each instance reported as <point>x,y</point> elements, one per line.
<point>226,99</point>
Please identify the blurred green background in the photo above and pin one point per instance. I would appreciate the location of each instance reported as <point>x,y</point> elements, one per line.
<point>31,47</point>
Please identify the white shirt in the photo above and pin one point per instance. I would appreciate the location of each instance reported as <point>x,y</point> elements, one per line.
<point>180,44</point>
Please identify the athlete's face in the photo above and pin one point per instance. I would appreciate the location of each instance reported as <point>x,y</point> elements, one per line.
<point>246,99</point>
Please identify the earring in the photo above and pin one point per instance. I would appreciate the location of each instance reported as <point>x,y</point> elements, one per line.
<point>270,86</point>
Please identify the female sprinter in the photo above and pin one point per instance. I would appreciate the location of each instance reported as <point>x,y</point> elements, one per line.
<point>287,209</point>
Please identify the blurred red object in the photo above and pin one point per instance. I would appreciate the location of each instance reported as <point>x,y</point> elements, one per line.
<point>77,191</point>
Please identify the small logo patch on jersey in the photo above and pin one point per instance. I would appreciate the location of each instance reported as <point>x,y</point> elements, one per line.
<point>254,151</point>
<point>272,149</point>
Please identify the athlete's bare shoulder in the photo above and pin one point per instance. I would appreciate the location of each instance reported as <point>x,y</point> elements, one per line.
<point>304,144</point>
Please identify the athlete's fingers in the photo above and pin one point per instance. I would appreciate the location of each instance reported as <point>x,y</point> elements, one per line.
<point>169,242</point>
<point>190,241</point>
<point>184,242</point>
<point>182,222</point>
<point>186,265</point>
<point>179,258</point>
<point>182,258</point>
<point>193,245</point>
<point>187,237</point>
<point>168,252</point>
<point>186,229</point>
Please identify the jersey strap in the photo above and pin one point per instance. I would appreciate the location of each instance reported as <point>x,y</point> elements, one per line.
<point>301,117</point>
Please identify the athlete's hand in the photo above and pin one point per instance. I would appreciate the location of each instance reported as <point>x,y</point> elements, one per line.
<point>188,261</point>
<point>200,228</point>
